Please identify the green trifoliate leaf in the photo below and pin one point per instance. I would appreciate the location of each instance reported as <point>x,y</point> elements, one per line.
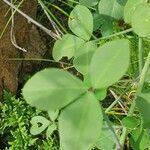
<point>53,114</point>
<point>140,139</point>
<point>106,140</point>
<point>101,94</point>
<point>109,63</point>
<point>143,104</point>
<point>130,122</point>
<point>112,8</point>
<point>52,89</point>
<point>130,8</point>
<point>81,22</point>
<point>36,128</point>
<point>88,3</point>
<point>87,80</point>
<point>83,57</point>
<point>107,26</point>
<point>51,129</point>
<point>66,46</point>
<point>141,20</point>
<point>80,124</point>
<point>97,21</point>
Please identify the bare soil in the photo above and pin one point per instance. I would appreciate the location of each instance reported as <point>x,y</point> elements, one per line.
<point>28,37</point>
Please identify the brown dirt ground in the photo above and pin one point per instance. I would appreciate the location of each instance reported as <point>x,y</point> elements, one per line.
<point>28,37</point>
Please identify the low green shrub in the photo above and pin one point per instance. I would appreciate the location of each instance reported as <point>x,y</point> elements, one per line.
<point>15,116</point>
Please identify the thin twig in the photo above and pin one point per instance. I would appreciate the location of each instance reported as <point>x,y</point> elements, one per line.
<point>49,32</point>
<point>119,101</point>
<point>37,59</point>
<point>12,34</point>
<point>58,32</point>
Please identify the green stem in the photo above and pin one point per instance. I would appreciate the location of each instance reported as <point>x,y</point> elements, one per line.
<point>54,25</point>
<point>59,9</point>
<point>75,2</point>
<point>116,34</point>
<point>37,59</point>
<point>22,140</point>
<point>140,54</point>
<point>66,4</point>
<point>109,124</point>
<point>53,16</point>
<point>144,72</point>
<point>2,33</point>
<point>140,86</point>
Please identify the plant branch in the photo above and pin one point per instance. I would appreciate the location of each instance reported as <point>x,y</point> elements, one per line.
<point>49,32</point>
<point>53,16</point>
<point>57,30</point>
<point>12,33</point>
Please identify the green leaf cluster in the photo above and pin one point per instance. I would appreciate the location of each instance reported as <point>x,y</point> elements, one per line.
<point>101,64</point>
<point>15,126</point>
<point>52,89</point>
